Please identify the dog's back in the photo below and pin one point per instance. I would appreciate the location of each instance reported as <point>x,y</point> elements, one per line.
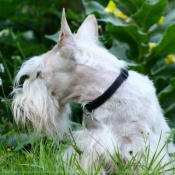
<point>78,69</point>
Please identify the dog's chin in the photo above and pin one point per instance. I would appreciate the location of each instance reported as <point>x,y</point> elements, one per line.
<point>33,105</point>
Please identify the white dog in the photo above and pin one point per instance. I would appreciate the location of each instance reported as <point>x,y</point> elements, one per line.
<point>79,69</point>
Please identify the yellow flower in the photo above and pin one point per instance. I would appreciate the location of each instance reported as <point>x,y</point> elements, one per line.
<point>27,156</point>
<point>120,15</point>
<point>170,59</point>
<point>8,149</point>
<point>160,22</point>
<point>151,45</point>
<point>111,7</point>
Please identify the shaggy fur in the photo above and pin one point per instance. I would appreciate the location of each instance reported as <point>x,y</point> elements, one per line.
<point>79,69</point>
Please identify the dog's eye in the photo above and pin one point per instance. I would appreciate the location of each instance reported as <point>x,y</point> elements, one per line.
<point>23,78</point>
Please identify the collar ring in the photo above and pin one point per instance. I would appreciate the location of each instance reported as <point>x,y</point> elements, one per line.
<point>85,110</point>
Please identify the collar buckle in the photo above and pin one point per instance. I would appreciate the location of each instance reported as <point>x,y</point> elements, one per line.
<point>124,72</point>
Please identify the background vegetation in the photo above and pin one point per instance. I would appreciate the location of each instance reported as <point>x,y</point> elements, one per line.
<point>141,32</point>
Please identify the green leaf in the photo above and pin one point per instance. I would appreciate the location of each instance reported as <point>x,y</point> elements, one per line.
<point>35,49</point>
<point>8,40</point>
<point>92,6</point>
<point>120,50</point>
<point>136,67</point>
<point>112,19</point>
<point>71,15</point>
<point>130,35</point>
<point>169,18</point>
<point>149,14</point>
<point>167,92</point>
<point>131,5</point>
<point>161,74</point>
<point>166,97</point>
<point>76,113</point>
<point>165,47</point>
<point>54,37</point>
<point>165,72</point>
<point>9,7</point>
<point>14,140</point>
<point>157,31</point>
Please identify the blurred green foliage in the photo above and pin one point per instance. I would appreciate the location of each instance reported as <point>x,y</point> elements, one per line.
<point>141,32</point>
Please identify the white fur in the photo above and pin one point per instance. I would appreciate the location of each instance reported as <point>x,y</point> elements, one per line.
<point>78,69</point>
<point>32,107</point>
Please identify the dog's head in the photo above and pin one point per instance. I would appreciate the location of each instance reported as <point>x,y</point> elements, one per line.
<point>59,76</point>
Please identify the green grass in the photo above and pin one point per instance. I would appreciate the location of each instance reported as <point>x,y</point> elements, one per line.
<point>45,157</point>
<point>42,159</point>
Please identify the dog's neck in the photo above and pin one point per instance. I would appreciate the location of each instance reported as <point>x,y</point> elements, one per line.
<point>89,84</point>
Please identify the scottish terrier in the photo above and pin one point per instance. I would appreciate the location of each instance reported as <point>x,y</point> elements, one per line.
<point>121,110</point>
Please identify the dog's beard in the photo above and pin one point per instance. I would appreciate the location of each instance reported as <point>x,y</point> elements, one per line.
<point>33,104</point>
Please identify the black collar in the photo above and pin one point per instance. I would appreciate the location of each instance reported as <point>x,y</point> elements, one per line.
<point>89,107</point>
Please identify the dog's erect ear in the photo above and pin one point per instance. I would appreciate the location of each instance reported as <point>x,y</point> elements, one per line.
<point>89,29</point>
<point>66,36</point>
